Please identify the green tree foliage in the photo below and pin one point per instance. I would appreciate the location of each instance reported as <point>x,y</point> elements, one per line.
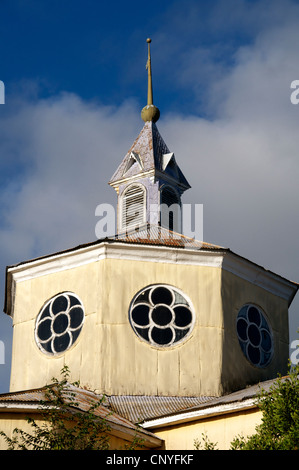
<point>204,444</point>
<point>63,425</point>
<point>279,429</point>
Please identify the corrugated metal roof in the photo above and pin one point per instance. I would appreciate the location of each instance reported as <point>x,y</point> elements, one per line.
<point>129,407</point>
<point>125,411</point>
<point>135,409</point>
<point>155,235</point>
<point>140,408</point>
<point>144,408</point>
<point>82,400</point>
<point>26,396</point>
<point>148,234</point>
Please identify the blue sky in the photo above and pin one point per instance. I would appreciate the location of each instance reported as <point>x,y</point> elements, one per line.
<point>75,83</point>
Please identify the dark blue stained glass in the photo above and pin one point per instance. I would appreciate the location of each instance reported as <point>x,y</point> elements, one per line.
<point>74,300</point>
<point>60,304</point>
<point>61,343</point>
<point>254,335</point>
<point>161,295</point>
<point>60,323</point>
<point>266,343</point>
<point>161,315</point>
<point>48,346</point>
<point>253,354</point>
<point>75,334</point>
<point>254,315</point>
<point>140,314</point>
<point>46,312</point>
<point>61,327</point>
<point>243,312</point>
<point>165,311</point>
<point>44,330</point>
<point>143,296</point>
<point>265,356</point>
<point>183,316</point>
<point>242,329</point>
<point>162,336</point>
<point>76,317</point>
<point>179,299</point>
<point>180,334</point>
<point>143,332</point>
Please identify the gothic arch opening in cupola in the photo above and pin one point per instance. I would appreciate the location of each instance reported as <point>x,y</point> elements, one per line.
<point>133,207</point>
<point>170,208</point>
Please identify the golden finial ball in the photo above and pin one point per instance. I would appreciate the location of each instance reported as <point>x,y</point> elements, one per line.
<point>148,40</point>
<point>150,113</point>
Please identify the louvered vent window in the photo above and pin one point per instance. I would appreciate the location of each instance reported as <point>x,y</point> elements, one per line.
<point>133,207</point>
<point>170,209</point>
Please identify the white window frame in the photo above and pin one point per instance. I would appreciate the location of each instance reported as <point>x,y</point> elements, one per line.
<point>142,220</point>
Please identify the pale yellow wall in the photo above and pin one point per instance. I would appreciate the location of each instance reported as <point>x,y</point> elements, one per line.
<point>109,358</point>
<point>30,367</point>
<point>11,420</point>
<point>219,430</point>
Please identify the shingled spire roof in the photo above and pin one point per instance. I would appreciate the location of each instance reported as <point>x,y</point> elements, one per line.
<point>149,153</point>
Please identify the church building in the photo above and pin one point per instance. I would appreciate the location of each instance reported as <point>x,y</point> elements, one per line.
<point>177,333</point>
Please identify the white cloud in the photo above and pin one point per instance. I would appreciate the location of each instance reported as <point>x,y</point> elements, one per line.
<point>69,150</point>
<point>243,165</point>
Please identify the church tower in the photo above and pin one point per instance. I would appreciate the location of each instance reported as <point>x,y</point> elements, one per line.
<point>149,182</point>
<point>142,315</point>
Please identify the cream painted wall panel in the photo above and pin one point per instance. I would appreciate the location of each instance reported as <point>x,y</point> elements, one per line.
<point>24,310</point>
<point>211,360</point>
<point>30,367</point>
<point>190,369</point>
<point>168,372</point>
<point>146,367</point>
<point>109,357</point>
<point>123,279</point>
<point>89,369</point>
<point>204,285</point>
<point>237,370</point>
<point>20,356</point>
<point>123,367</point>
<point>33,293</point>
<point>220,430</point>
<point>10,421</point>
<point>81,358</point>
<point>100,291</point>
<point>104,372</point>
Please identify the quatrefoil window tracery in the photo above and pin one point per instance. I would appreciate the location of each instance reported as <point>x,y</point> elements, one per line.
<point>161,315</point>
<point>59,323</point>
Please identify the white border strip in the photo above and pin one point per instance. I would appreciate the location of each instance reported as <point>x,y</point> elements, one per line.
<point>200,414</point>
<point>152,253</point>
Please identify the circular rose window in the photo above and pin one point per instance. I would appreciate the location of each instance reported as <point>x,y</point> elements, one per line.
<point>161,315</point>
<point>59,323</point>
<point>254,335</point>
